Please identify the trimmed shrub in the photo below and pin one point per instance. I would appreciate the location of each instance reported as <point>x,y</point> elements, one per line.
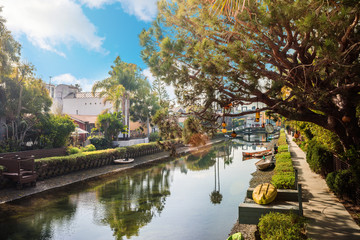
<point>319,158</point>
<point>284,181</point>
<point>283,148</point>
<point>154,136</point>
<point>284,174</point>
<point>343,183</point>
<point>330,180</point>
<point>100,142</point>
<point>73,150</point>
<point>279,226</point>
<point>89,148</point>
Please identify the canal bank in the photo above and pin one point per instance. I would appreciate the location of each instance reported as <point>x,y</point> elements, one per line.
<point>12,194</point>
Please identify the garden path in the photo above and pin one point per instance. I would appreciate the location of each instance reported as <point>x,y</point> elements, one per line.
<point>328,218</point>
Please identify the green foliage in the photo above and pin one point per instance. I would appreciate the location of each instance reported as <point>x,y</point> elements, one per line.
<point>89,148</point>
<point>168,124</point>
<point>193,132</point>
<point>110,124</point>
<point>330,180</point>
<point>343,183</point>
<point>284,174</point>
<point>55,131</point>
<point>100,142</point>
<point>154,136</point>
<point>73,150</point>
<point>283,148</point>
<point>280,226</point>
<point>282,138</point>
<point>319,158</point>
<point>214,60</point>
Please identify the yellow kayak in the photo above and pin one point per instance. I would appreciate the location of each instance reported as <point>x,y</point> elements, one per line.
<point>264,193</point>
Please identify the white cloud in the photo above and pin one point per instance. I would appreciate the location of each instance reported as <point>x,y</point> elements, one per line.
<point>170,89</point>
<point>50,24</point>
<point>96,3</point>
<point>144,10</point>
<point>67,78</point>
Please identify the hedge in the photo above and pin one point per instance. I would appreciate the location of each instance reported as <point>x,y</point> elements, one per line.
<point>55,166</point>
<point>320,160</point>
<point>279,226</point>
<point>284,173</point>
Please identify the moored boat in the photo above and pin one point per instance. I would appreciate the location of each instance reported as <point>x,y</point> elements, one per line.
<point>124,160</point>
<point>257,154</point>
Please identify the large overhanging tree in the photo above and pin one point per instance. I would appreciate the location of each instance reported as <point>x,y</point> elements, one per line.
<point>300,58</point>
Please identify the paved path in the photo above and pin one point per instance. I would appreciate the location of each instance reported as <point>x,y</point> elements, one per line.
<point>11,194</point>
<point>328,218</point>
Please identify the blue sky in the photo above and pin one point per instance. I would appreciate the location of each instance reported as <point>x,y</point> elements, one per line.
<point>76,41</point>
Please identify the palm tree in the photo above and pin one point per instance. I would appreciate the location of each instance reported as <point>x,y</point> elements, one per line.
<point>227,7</point>
<point>123,74</point>
<point>114,95</point>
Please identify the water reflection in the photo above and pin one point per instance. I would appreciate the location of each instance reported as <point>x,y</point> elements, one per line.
<point>122,207</point>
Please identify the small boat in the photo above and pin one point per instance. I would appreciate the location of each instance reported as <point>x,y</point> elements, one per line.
<point>124,160</point>
<point>264,164</point>
<point>264,193</point>
<point>257,154</point>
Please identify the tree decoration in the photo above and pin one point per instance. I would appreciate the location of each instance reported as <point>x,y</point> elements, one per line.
<point>223,124</point>
<point>224,130</point>
<point>233,134</point>
<point>257,115</point>
<point>346,119</point>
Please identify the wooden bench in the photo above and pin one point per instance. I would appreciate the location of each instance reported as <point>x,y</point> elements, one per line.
<point>20,170</point>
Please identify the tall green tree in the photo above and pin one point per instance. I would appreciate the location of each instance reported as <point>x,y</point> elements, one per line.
<point>126,74</point>
<point>300,58</point>
<point>111,125</point>
<point>159,88</point>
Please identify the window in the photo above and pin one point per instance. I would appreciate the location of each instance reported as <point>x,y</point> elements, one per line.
<point>90,103</point>
<point>253,108</point>
<point>244,109</point>
<point>77,112</point>
<point>85,103</point>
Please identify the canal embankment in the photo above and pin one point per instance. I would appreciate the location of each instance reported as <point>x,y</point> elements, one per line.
<point>51,184</point>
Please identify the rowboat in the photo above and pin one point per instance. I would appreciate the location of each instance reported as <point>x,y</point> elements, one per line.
<point>124,160</point>
<point>263,165</point>
<point>257,154</point>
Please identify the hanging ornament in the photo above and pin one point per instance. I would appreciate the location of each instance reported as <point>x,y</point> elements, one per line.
<point>297,134</point>
<point>345,119</point>
<point>223,124</point>
<point>224,130</point>
<point>263,125</point>
<point>233,134</point>
<point>257,115</point>
<point>230,105</point>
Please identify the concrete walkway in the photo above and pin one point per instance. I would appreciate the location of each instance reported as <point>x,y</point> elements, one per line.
<point>11,194</point>
<point>327,217</point>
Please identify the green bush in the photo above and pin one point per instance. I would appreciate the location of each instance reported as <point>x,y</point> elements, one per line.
<point>89,148</point>
<point>330,180</point>
<point>100,142</point>
<point>73,150</point>
<point>319,158</point>
<point>284,174</point>
<point>154,136</point>
<point>284,181</point>
<point>280,226</point>
<point>343,183</point>
<point>283,148</point>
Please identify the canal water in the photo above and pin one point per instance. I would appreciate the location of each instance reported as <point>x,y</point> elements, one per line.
<point>192,197</point>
